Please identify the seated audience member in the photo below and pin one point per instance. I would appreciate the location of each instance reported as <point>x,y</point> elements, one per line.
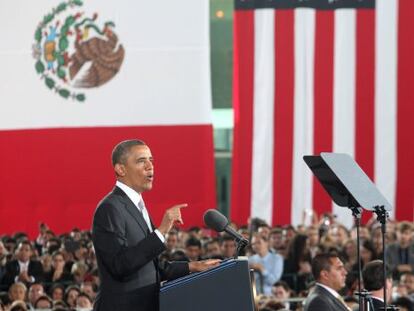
<point>71,293</point>
<point>3,259</point>
<point>403,304</point>
<point>171,241</point>
<point>372,275</point>
<point>57,291</point>
<point>17,292</point>
<point>228,246</point>
<point>89,289</point>
<point>59,304</point>
<point>212,249</point>
<point>368,254</point>
<point>79,271</point>
<point>35,291</point>
<point>400,255</point>
<point>282,292</point>
<point>298,263</point>
<point>193,249</point>
<point>407,279</point>
<point>84,302</point>
<point>267,265</point>
<point>276,241</point>
<point>329,273</point>
<point>58,272</point>
<point>43,302</point>
<point>23,269</point>
<point>18,305</point>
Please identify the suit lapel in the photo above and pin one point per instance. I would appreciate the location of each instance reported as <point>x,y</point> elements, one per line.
<point>335,300</point>
<point>132,209</point>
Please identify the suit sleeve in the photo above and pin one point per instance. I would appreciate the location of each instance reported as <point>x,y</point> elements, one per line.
<point>9,274</point>
<point>173,270</point>
<point>110,242</point>
<point>36,271</point>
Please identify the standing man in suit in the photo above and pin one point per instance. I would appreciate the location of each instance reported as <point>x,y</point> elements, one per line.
<point>372,274</point>
<point>23,269</point>
<point>126,242</point>
<point>400,255</point>
<point>329,273</point>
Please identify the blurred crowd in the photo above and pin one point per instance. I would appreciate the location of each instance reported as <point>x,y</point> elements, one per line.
<point>59,272</point>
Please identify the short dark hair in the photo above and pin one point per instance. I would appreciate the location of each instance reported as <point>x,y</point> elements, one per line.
<point>372,274</point>
<point>82,294</point>
<point>192,241</point>
<point>283,284</point>
<point>25,242</point>
<point>404,226</point>
<point>121,150</point>
<point>322,262</point>
<point>44,297</point>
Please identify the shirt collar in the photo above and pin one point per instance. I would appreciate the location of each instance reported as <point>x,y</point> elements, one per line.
<point>134,196</point>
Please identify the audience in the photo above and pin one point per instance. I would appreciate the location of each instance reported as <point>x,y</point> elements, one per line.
<point>59,272</point>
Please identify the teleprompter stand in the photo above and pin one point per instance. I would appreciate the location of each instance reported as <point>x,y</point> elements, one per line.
<point>348,186</point>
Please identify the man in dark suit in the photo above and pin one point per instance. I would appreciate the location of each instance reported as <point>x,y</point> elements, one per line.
<point>23,269</point>
<point>372,274</point>
<point>329,273</point>
<point>400,255</point>
<point>126,242</point>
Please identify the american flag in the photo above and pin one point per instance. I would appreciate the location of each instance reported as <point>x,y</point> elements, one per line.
<point>321,75</point>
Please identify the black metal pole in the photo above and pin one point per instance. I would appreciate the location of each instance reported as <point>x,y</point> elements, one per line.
<point>356,212</point>
<point>382,215</point>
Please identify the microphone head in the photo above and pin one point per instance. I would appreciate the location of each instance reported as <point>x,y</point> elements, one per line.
<point>215,220</point>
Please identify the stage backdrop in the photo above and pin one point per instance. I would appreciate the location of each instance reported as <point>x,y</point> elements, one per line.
<point>321,75</point>
<point>76,77</point>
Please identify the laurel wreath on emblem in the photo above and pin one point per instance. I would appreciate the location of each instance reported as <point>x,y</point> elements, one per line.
<point>56,37</point>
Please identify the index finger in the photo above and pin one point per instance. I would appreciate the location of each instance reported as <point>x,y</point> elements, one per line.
<point>180,205</point>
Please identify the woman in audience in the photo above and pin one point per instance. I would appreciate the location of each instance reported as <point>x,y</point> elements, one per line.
<point>58,272</point>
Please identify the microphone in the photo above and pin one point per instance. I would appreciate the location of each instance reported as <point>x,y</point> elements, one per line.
<point>218,222</point>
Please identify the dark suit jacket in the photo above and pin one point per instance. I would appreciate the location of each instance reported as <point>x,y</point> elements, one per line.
<point>12,270</point>
<point>393,256</point>
<point>320,299</point>
<point>377,304</point>
<point>127,257</point>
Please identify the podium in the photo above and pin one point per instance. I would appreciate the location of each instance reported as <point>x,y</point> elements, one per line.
<point>226,287</point>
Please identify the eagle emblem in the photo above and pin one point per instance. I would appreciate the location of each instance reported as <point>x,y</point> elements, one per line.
<point>74,51</point>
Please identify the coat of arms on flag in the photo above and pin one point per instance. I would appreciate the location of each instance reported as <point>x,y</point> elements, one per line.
<point>73,50</point>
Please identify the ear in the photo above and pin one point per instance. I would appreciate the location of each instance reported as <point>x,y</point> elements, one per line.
<point>119,169</point>
<point>323,275</point>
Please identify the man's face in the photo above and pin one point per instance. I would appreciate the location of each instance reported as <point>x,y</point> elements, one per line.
<point>35,291</point>
<point>138,170</point>
<point>313,237</point>
<point>276,240</point>
<point>24,252</point>
<point>280,293</point>
<point>404,237</point>
<point>213,249</point>
<point>259,246</point>
<point>228,248</point>
<point>408,281</point>
<point>193,252</point>
<point>335,277</point>
<point>17,292</point>
<point>172,241</point>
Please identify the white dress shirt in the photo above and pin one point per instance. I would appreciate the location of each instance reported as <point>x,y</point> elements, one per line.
<point>136,197</point>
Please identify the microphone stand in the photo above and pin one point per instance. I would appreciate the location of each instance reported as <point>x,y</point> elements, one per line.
<point>241,244</point>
